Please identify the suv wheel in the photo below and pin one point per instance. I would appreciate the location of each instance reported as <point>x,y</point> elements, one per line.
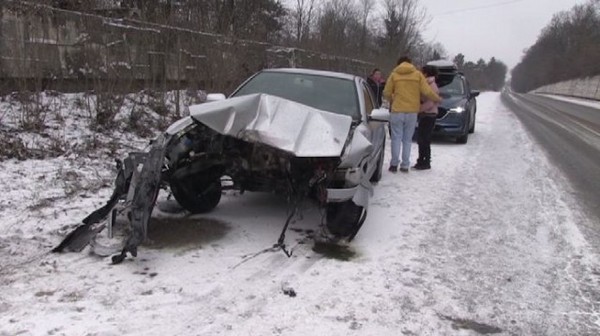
<point>472,129</point>
<point>463,139</point>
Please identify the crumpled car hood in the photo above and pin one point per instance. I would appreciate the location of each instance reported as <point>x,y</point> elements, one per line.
<point>284,124</point>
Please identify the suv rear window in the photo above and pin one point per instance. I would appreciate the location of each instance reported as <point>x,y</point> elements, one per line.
<point>451,85</point>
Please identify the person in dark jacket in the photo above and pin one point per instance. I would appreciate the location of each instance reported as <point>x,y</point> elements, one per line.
<point>427,116</point>
<point>377,82</point>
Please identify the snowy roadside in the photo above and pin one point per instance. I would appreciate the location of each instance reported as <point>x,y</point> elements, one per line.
<point>580,101</point>
<point>486,242</point>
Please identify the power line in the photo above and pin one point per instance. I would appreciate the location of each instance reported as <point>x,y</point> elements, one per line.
<point>499,4</point>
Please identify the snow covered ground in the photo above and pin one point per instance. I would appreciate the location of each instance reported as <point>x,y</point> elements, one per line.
<point>487,242</point>
<point>586,102</point>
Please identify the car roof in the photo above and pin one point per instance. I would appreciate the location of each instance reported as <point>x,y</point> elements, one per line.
<point>443,64</point>
<point>313,72</point>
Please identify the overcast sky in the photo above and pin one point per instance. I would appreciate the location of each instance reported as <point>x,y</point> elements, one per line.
<point>486,28</point>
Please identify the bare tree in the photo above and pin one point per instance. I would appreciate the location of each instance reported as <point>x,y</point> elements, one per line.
<point>338,20</point>
<point>423,52</point>
<point>572,36</point>
<point>403,22</point>
<point>302,16</point>
<point>225,16</point>
<point>366,8</point>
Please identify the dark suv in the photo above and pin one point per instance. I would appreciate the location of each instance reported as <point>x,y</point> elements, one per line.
<point>458,109</point>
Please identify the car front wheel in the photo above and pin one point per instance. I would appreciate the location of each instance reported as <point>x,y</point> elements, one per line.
<point>344,219</point>
<point>197,196</point>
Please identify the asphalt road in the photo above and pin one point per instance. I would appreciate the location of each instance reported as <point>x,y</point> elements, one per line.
<point>570,133</point>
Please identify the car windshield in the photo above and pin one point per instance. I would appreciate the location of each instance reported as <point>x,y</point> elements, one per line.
<point>451,86</point>
<point>330,94</point>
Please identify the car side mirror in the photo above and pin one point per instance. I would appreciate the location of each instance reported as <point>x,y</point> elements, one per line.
<point>475,93</point>
<point>213,97</point>
<point>380,115</point>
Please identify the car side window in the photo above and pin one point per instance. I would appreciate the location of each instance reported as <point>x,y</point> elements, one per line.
<point>369,101</point>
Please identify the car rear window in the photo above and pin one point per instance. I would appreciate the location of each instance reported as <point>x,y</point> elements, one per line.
<point>330,94</point>
<point>451,85</point>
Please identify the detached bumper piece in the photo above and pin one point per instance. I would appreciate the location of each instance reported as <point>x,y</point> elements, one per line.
<point>137,184</point>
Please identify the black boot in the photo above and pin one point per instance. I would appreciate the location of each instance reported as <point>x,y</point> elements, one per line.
<point>422,165</point>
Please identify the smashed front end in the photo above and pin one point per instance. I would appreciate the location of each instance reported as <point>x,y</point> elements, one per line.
<point>250,143</point>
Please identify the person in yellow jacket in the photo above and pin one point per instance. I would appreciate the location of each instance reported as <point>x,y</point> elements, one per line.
<point>403,90</point>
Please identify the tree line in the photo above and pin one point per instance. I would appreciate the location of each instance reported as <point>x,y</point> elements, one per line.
<point>482,75</point>
<point>567,48</point>
<point>374,30</point>
<point>378,31</point>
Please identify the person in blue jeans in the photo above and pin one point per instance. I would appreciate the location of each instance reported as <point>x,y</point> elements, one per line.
<point>404,88</point>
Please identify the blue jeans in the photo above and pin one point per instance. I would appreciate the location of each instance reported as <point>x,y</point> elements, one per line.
<point>403,128</point>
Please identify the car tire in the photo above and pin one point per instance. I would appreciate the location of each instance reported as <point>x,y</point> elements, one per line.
<point>379,171</point>
<point>463,139</point>
<point>199,196</point>
<point>472,129</point>
<point>344,219</point>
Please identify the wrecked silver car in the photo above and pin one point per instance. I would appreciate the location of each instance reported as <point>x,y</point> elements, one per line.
<point>301,133</point>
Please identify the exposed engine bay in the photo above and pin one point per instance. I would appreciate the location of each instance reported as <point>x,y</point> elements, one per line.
<point>201,154</point>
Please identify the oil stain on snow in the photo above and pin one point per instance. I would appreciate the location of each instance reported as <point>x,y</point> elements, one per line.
<point>186,233</point>
<point>334,251</point>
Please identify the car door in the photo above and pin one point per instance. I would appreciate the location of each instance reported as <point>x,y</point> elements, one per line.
<point>372,130</point>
